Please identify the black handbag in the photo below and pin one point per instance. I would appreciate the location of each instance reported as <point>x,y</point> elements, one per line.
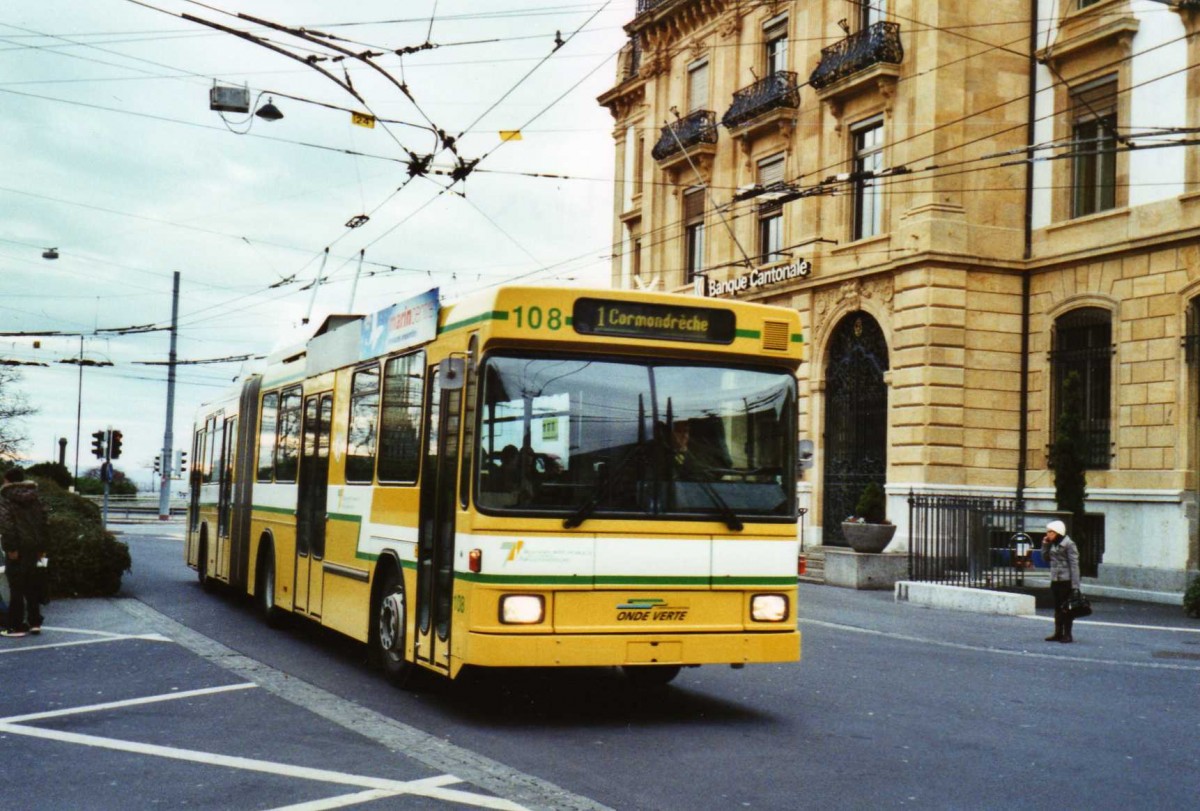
<point>1078,606</point>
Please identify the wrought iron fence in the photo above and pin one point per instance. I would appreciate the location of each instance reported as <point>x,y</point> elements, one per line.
<point>974,541</point>
<point>649,5</point>
<point>694,128</point>
<point>780,89</point>
<point>877,43</point>
<point>963,541</point>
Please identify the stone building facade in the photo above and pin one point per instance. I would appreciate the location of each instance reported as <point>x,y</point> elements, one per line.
<point>966,203</point>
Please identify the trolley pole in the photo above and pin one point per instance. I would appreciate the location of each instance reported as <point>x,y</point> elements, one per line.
<point>164,490</point>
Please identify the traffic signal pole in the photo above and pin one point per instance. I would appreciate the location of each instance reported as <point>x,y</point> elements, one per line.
<point>164,491</point>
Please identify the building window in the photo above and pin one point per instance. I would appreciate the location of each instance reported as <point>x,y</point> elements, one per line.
<point>1083,344</point>
<point>638,165</point>
<point>868,161</point>
<point>629,169</point>
<point>775,37</point>
<point>698,86</point>
<point>871,13</point>
<point>770,214</point>
<point>1086,3</point>
<point>1191,346</point>
<point>1093,132</point>
<point>693,234</point>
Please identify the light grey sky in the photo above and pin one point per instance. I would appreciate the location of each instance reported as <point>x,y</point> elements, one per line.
<point>111,155</point>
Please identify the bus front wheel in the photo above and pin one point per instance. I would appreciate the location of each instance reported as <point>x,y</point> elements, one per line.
<point>390,628</point>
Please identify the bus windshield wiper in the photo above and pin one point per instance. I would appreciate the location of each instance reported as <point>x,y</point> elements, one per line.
<point>588,507</point>
<point>723,509</point>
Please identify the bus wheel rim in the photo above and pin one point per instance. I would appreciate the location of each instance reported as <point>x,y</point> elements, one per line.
<point>391,618</point>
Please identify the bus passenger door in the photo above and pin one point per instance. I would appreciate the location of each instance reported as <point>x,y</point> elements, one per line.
<point>435,542</point>
<point>312,485</point>
<point>225,497</point>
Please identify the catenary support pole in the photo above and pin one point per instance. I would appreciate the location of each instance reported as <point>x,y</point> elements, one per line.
<point>78,416</point>
<point>164,489</point>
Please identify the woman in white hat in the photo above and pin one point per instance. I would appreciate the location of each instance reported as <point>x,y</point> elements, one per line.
<point>1063,555</point>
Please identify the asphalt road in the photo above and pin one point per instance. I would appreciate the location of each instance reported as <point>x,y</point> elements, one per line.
<point>893,705</point>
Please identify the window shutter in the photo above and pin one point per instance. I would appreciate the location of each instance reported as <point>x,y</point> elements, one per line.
<point>770,170</point>
<point>1095,99</point>
<point>697,86</point>
<point>693,205</point>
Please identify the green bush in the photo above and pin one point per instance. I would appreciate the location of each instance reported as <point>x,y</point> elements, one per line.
<point>1191,599</point>
<point>872,504</point>
<point>53,471</point>
<point>85,560</point>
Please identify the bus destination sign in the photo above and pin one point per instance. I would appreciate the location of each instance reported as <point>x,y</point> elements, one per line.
<point>663,322</point>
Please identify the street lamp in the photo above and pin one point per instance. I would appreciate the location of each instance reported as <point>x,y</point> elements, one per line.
<point>81,362</point>
<point>269,112</point>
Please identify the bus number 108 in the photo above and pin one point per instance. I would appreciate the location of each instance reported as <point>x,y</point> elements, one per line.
<point>534,318</point>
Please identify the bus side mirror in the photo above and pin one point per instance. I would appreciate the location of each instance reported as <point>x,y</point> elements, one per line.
<point>804,455</point>
<point>451,374</point>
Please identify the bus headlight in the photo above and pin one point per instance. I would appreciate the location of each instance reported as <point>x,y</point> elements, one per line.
<point>522,609</point>
<point>769,608</point>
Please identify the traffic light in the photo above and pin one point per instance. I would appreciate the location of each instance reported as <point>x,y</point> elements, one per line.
<point>114,445</point>
<point>157,465</point>
<point>180,462</point>
<point>98,444</point>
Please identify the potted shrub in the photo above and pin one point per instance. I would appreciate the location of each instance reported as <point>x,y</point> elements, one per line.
<point>868,530</point>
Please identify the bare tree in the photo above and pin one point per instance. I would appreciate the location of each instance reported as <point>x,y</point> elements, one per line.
<point>13,407</point>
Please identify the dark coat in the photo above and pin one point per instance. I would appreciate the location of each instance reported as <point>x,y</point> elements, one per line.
<point>22,521</point>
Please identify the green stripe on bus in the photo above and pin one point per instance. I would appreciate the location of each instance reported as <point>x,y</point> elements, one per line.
<point>747,333</point>
<point>622,580</point>
<point>797,338</point>
<point>276,510</point>
<point>497,315</point>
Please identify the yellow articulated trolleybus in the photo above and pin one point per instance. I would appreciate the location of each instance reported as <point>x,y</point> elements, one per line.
<point>529,477</point>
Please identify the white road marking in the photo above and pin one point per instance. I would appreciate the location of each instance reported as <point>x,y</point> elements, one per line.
<point>412,743</point>
<point>417,787</point>
<point>1002,651</point>
<point>340,802</point>
<point>27,648</point>
<point>363,796</point>
<point>1133,625</point>
<point>130,702</point>
<point>434,791</point>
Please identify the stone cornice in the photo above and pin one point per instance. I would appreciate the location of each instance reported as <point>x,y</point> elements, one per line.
<point>672,21</point>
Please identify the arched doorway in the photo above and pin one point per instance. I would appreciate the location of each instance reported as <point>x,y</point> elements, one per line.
<point>855,418</point>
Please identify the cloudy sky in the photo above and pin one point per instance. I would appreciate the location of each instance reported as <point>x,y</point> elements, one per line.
<point>111,155</point>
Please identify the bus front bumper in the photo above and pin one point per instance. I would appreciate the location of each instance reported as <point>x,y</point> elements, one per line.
<point>598,650</point>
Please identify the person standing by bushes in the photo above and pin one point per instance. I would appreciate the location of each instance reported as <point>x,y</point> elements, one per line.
<point>23,539</point>
<point>1063,554</point>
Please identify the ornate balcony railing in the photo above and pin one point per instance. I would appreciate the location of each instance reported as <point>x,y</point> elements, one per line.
<point>699,127</point>
<point>648,5</point>
<point>769,93</point>
<point>880,43</point>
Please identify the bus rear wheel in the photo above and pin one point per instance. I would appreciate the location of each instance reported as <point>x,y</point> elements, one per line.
<point>643,676</point>
<point>265,589</point>
<point>202,563</point>
<point>388,638</point>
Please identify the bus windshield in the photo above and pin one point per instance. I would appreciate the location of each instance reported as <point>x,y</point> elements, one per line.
<point>634,438</point>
